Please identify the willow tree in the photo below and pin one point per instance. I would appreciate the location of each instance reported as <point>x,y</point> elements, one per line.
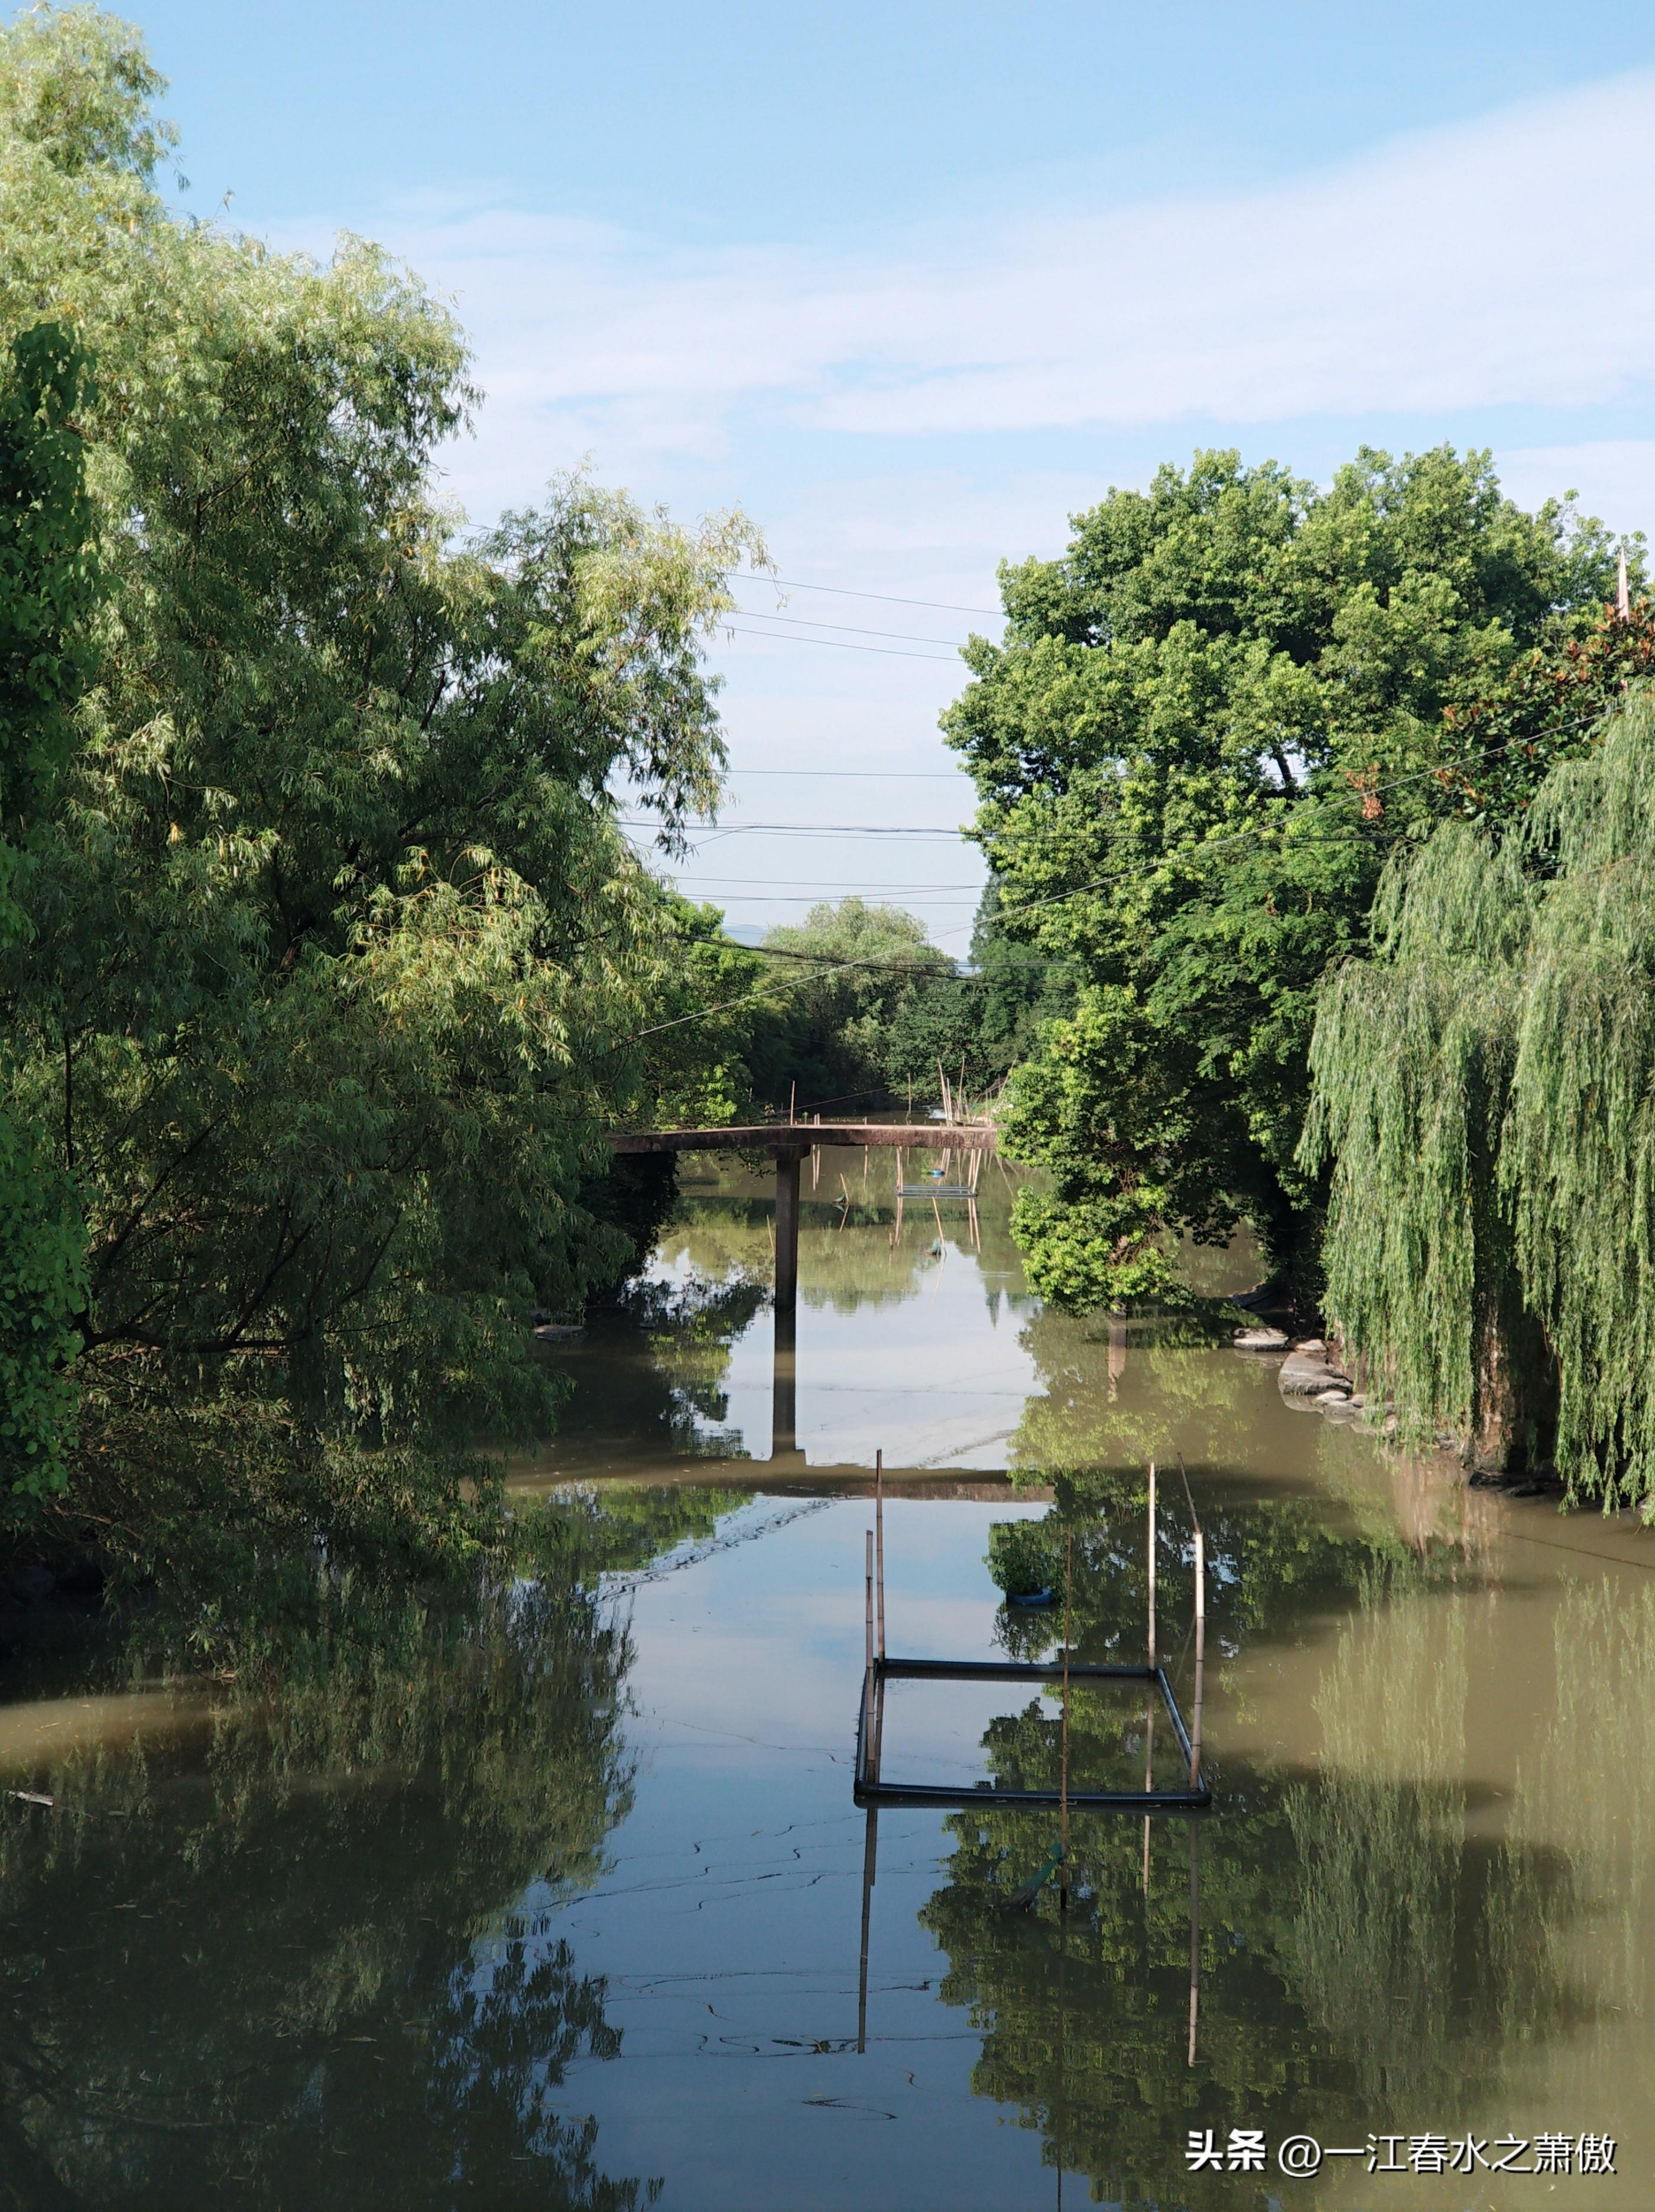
<point>1485,1094</point>
<point>340,950</point>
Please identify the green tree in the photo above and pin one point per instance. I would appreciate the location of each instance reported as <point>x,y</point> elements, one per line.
<point>342,957</point>
<point>975,1024</point>
<point>48,587</point>
<point>829,1043</point>
<point>1207,721</point>
<point>1482,1091</point>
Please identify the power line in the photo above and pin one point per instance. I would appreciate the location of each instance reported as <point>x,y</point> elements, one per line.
<point>906,898</point>
<point>853,629</point>
<point>844,592</point>
<point>862,775</point>
<point>1354,833</point>
<point>840,645</point>
<point>717,830</point>
<point>813,882</point>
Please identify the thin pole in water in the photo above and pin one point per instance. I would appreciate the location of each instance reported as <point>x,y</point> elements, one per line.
<point>1149,1702</point>
<point>870,1605</point>
<point>1151,1562</point>
<point>1195,1935</point>
<point>879,1541</point>
<point>1064,1775</point>
<point>1200,1656</point>
<point>870,1860</point>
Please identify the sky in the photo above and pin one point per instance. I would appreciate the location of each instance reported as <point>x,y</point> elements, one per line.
<point>912,284</point>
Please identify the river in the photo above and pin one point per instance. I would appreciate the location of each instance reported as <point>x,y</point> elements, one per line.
<point>573,1906</point>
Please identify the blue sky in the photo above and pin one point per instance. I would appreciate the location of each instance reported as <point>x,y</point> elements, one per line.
<point>912,284</point>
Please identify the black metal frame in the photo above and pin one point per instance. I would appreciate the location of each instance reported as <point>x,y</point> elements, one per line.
<point>871,1788</point>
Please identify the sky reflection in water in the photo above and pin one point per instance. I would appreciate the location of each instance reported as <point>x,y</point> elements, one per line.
<point>561,1904</point>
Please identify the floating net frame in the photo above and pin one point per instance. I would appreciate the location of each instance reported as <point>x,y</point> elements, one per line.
<point>870,1785</point>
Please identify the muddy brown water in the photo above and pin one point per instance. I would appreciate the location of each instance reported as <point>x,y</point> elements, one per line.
<point>575,1909</point>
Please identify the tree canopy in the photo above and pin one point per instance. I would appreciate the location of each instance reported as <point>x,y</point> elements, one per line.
<point>1483,1091</point>
<point>1206,725</point>
<point>338,961</point>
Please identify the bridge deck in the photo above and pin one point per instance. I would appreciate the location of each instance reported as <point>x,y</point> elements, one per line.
<point>783,1137</point>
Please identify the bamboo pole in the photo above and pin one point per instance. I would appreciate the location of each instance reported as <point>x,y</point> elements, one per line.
<point>868,1667</point>
<point>879,1540</point>
<point>1194,1934</point>
<point>1200,1656</point>
<point>1149,1702</point>
<point>1151,1562</point>
<point>1063,1768</point>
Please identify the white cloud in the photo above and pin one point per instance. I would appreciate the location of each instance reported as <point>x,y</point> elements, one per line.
<point>1477,266</point>
<point>890,410</point>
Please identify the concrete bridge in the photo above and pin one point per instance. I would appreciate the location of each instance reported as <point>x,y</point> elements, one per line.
<point>788,1143</point>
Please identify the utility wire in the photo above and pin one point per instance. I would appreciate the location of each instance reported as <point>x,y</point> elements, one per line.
<point>796,829</point>
<point>844,592</point>
<point>838,644</point>
<point>850,630</point>
<point>862,775</point>
<point>1353,834</point>
<point>1024,838</point>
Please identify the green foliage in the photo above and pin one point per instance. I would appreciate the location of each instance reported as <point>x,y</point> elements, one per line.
<point>48,587</point>
<point>48,583</point>
<point>1484,1091</point>
<point>897,1026</point>
<point>1021,1558</point>
<point>342,958</point>
<point>1205,723</point>
<point>710,1019</point>
<point>1411,1062</point>
<point>973,1026</point>
<point>833,1036</point>
<point>1536,714</point>
<point>42,1282</point>
<point>1578,1147</point>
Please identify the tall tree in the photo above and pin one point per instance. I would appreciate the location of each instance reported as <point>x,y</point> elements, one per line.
<point>340,958</point>
<point>47,589</point>
<point>1483,1091</point>
<point>1206,722</point>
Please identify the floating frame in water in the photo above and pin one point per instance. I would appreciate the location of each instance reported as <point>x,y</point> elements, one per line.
<point>871,1788</point>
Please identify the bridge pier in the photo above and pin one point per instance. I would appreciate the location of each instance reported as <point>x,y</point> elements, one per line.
<point>786,1236</point>
<point>784,1373</point>
<point>786,1143</point>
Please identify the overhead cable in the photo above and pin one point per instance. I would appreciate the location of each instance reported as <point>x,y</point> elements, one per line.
<point>839,645</point>
<point>845,592</point>
<point>903,637</point>
<point>1355,833</point>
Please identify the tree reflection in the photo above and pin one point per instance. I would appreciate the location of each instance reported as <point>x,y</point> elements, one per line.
<point>310,1955</point>
<point>1367,1958</point>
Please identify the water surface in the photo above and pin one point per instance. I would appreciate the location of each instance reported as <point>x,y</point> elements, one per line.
<point>569,1905</point>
